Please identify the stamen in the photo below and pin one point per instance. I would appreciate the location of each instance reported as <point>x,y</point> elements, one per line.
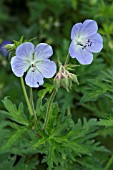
<point>90,44</point>
<point>33,68</point>
<point>85,44</point>
<point>80,44</point>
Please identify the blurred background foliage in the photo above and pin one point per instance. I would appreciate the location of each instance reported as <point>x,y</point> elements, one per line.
<point>51,22</point>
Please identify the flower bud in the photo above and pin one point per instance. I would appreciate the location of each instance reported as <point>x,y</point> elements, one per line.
<point>74,78</point>
<point>57,81</point>
<point>64,78</point>
<point>65,83</point>
<point>9,46</point>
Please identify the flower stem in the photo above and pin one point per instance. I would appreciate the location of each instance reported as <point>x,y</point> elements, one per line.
<point>32,103</point>
<point>68,111</point>
<point>26,97</point>
<point>48,108</point>
<point>67,59</point>
<point>109,163</point>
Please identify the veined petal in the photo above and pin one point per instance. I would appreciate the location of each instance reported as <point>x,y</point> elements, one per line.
<point>25,50</point>
<point>75,30</point>
<point>89,28</point>
<point>19,66</point>
<point>73,48</point>
<point>34,78</point>
<point>96,43</point>
<point>83,56</point>
<point>47,68</point>
<point>43,51</point>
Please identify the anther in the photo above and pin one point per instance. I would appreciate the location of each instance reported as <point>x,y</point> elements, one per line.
<point>80,44</point>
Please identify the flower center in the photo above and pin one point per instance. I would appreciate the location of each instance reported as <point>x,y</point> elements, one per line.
<point>32,63</point>
<point>83,42</point>
<point>33,67</point>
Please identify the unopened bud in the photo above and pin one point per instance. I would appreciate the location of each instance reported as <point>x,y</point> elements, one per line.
<point>64,78</point>
<point>57,81</point>
<point>74,78</point>
<point>9,46</point>
<point>65,83</point>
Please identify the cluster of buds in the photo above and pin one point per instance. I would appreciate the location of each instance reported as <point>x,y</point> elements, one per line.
<point>64,78</point>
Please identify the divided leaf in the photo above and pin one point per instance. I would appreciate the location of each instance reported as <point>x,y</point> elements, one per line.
<point>13,113</point>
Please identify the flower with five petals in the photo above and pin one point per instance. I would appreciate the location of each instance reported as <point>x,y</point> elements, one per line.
<point>35,61</point>
<point>85,41</point>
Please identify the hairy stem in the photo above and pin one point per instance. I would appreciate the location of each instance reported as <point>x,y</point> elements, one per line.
<point>109,163</point>
<point>48,108</point>
<point>32,103</point>
<point>26,97</point>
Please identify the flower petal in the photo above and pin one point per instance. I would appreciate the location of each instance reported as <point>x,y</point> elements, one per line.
<point>47,68</point>
<point>34,78</point>
<point>19,66</point>
<point>43,51</point>
<point>96,43</point>
<point>83,56</point>
<point>25,50</point>
<point>89,28</point>
<point>75,30</point>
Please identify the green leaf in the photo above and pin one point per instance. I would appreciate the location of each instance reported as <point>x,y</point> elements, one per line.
<point>51,157</point>
<point>23,165</point>
<point>106,122</point>
<point>8,162</point>
<point>69,140</point>
<point>38,144</point>
<point>48,89</point>
<point>90,163</point>
<point>13,113</point>
<point>96,89</point>
<point>13,139</point>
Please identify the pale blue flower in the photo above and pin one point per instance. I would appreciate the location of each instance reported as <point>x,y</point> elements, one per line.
<point>35,61</point>
<point>85,41</point>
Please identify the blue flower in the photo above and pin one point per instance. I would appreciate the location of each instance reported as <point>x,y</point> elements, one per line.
<point>85,41</point>
<point>35,61</point>
<point>4,50</point>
